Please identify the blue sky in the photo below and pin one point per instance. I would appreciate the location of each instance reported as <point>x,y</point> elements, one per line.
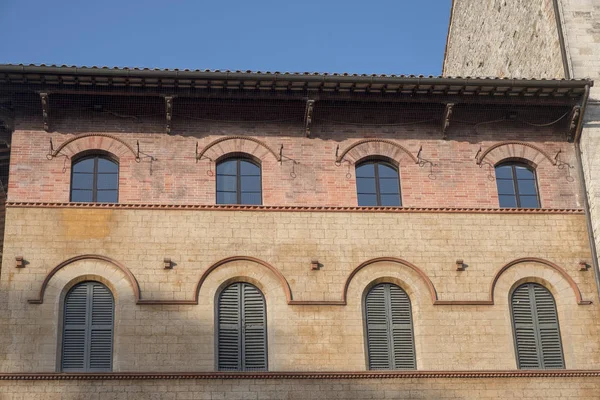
<point>376,36</point>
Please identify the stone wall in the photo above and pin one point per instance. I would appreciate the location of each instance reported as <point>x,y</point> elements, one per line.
<point>503,38</point>
<point>580,388</point>
<point>309,328</point>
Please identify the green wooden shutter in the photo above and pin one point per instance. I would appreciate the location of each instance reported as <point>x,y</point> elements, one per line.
<point>88,328</point>
<point>242,333</point>
<point>536,329</point>
<point>254,333</point>
<point>390,339</point>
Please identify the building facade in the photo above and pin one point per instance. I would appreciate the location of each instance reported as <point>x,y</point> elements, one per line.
<point>190,234</point>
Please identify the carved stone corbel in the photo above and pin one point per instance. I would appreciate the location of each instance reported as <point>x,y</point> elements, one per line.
<point>446,120</point>
<point>45,110</point>
<point>308,112</point>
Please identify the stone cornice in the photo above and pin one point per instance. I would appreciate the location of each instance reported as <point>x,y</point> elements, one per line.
<point>305,375</point>
<point>219,207</point>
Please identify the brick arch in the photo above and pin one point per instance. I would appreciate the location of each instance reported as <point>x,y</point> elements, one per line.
<point>128,275</point>
<point>547,263</point>
<point>370,147</point>
<point>513,149</point>
<point>236,144</point>
<point>282,281</point>
<point>95,141</point>
<point>420,273</point>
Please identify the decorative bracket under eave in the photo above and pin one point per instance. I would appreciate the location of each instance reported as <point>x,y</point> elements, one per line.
<point>45,110</point>
<point>573,121</point>
<point>169,113</point>
<point>308,112</point>
<point>446,120</point>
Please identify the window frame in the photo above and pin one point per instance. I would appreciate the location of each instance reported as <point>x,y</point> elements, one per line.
<point>238,184</point>
<point>513,164</point>
<point>376,161</point>
<point>95,156</point>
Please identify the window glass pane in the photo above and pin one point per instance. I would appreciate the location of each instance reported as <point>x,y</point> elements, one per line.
<point>367,200</point>
<point>386,171</point>
<point>108,181</point>
<point>505,186</point>
<point>226,183</point>
<point>248,168</point>
<point>250,183</point>
<point>251,198</point>
<point>507,201</point>
<point>107,166</point>
<point>82,181</point>
<point>84,166</point>
<point>228,167</point>
<point>365,185</point>
<point>523,172</point>
<point>527,187</point>
<point>81,195</point>
<point>390,200</point>
<point>365,171</point>
<point>106,196</point>
<point>504,172</point>
<point>529,201</point>
<point>389,185</point>
<point>226,198</point>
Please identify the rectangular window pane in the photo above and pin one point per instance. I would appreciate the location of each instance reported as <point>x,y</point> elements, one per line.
<point>504,172</point>
<point>226,198</point>
<point>367,200</point>
<point>248,168</point>
<point>387,172</point>
<point>365,171</point>
<point>527,187</point>
<point>250,183</point>
<point>106,196</point>
<point>251,198</point>
<point>365,185</point>
<point>529,201</point>
<point>226,183</point>
<point>389,185</point>
<point>227,167</point>
<point>505,186</point>
<point>107,166</point>
<point>524,173</point>
<point>390,200</point>
<point>81,195</point>
<point>507,201</point>
<point>83,181</point>
<point>108,181</point>
<point>84,166</point>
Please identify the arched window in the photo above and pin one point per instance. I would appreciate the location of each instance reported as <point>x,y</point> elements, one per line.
<point>517,186</point>
<point>536,330</point>
<point>95,178</point>
<point>241,329</point>
<point>87,336</point>
<point>390,341</point>
<point>238,182</point>
<point>377,184</point>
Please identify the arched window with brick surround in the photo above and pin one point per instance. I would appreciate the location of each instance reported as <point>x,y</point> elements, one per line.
<point>239,181</point>
<point>389,328</point>
<point>87,335</point>
<point>517,185</point>
<point>95,179</point>
<point>378,184</point>
<point>536,331</point>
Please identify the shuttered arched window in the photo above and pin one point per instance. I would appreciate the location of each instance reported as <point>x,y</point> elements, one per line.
<point>242,329</point>
<point>95,179</point>
<point>390,340</point>
<point>88,329</point>
<point>536,330</point>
